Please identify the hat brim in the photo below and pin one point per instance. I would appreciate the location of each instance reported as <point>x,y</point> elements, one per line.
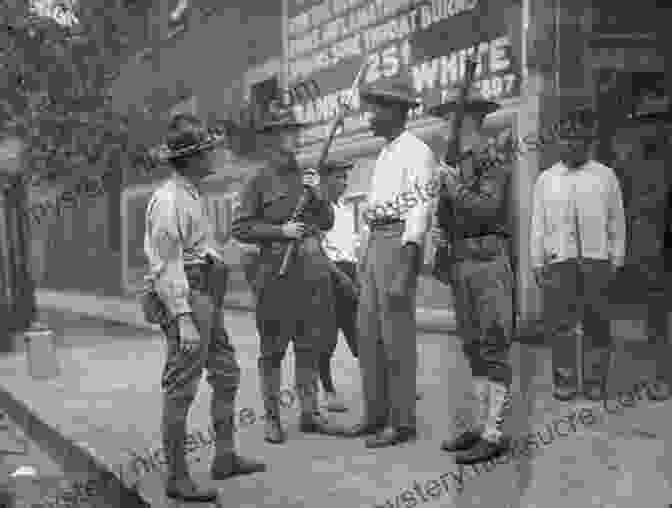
<point>282,126</point>
<point>471,107</point>
<point>658,116</point>
<point>166,154</point>
<point>335,168</point>
<point>388,97</point>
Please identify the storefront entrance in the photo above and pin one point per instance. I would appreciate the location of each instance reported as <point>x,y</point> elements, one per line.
<point>637,146</point>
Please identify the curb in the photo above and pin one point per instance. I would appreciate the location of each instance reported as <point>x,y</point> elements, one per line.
<point>74,458</point>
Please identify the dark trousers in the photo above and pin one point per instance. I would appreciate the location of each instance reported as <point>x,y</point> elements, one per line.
<point>346,309</point>
<point>569,285</point>
<point>346,320</point>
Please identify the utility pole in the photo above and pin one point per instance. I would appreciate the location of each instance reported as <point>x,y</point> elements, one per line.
<point>18,307</point>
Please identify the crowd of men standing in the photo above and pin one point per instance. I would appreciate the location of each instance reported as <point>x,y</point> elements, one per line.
<point>365,284</point>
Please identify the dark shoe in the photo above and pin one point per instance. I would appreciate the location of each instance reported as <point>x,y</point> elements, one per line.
<point>185,489</point>
<point>484,451</point>
<point>658,391</point>
<point>359,430</point>
<point>564,385</point>
<point>273,431</point>
<point>594,390</point>
<point>391,437</point>
<point>463,442</point>
<point>226,466</point>
<point>317,423</point>
<point>564,393</point>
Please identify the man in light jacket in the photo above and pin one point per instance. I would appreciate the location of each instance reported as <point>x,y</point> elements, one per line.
<point>577,244</point>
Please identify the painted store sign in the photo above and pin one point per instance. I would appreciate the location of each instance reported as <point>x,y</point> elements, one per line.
<point>428,39</point>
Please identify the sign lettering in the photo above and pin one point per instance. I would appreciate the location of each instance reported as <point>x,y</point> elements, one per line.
<point>327,40</point>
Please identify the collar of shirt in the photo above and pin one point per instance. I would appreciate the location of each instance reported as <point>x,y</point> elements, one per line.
<point>565,170</point>
<point>389,146</point>
<point>188,186</point>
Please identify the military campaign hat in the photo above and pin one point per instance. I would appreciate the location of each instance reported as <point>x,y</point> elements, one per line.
<point>279,117</point>
<point>475,103</point>
<point>185,138</point>
<point>332,166</point>
<point>396,90</point>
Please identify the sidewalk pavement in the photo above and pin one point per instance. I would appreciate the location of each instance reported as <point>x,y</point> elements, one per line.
<point>126,310</point>
<point>105,407</point>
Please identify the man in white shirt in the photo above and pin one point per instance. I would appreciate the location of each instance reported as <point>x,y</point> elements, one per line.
<point>340,244</point>
<point>189,277</point>
<point>577,244</point>
<point>396,233</point>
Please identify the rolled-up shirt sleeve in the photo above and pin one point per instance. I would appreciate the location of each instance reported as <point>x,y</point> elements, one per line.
<point>165,244</point>
<point>248,224</point>
<point>418,218</point>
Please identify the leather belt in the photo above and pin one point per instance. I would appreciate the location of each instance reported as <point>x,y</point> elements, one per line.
<point>384,222</point>
<point>480,247</point>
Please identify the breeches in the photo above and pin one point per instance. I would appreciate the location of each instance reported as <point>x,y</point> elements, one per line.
<point>182,371</point>
<point>294,308</point>
<point>483,292</point>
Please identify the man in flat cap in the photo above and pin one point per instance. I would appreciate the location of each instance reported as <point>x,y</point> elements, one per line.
<point>473,257</point>
<point>393,250</point>
<point>298,306</point>
<point>577,244</point>
<point>340,244</point>
<point>189,278</point>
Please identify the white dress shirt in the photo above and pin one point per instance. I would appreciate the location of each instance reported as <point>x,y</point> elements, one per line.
<point>592,194</point>
<point>340,241</point>
<point>178,232</point>
<point>404,165</point>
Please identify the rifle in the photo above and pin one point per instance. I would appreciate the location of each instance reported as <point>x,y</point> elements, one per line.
<point>305,197</point>
<point>453,157</point>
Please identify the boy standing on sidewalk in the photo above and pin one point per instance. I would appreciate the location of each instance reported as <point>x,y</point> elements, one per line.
<point>340,244</point>
<point>577,244</point>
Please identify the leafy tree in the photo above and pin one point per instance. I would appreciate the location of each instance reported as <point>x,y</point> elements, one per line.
<point>55,77</point>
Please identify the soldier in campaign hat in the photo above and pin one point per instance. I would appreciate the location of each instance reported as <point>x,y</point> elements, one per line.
<point>473,257</point>
<point>395,232</point>
<point>300,305</point>
<point>188,277</point>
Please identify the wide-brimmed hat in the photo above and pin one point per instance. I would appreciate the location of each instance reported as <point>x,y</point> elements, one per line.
<point>442,105</point>
<point>186,139</point>
<point>333,166</point>
<point>279,117</point>
<point>396,90</point>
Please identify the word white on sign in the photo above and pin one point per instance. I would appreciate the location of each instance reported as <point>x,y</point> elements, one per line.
<point>442,72</point>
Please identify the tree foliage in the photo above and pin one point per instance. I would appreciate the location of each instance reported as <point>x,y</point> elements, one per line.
<point>55,81</point>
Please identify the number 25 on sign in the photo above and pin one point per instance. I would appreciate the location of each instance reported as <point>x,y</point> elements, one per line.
<point>386,63</point>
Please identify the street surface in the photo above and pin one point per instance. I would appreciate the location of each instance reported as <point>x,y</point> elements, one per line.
<point>108,400</point>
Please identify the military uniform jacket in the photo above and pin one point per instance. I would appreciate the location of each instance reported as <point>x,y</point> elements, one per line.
<point>478,209</point>
<point>266,203</point>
